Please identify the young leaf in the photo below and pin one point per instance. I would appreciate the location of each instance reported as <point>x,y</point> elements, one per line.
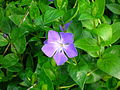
<point>99,7</point>
<point>116,32</point>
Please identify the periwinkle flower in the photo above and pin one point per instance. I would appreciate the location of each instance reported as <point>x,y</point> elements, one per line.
<point>5,35</point>
<point>50,0</point>
<point>60,45</point>
<point>65,27</point>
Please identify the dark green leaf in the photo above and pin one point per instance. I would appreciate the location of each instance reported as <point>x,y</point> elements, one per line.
<point>115,8</point>
<point>9,60</point>
<point>34,10</point>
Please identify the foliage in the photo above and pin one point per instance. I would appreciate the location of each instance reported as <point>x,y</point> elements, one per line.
<point>24,26</point>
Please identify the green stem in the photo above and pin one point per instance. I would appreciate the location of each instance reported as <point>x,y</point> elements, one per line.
<point>88,74</point>
<point>75,4</point>
<point>67,86</point>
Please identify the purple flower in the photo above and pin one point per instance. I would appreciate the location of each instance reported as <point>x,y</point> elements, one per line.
<point>65,27</point>
<point>50,0</point>
<point>60,45</point>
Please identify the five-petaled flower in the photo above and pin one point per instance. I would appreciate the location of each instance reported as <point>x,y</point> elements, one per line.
<point>65,26</point>
<point>60,45</point>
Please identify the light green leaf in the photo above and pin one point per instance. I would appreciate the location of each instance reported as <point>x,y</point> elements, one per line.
<point>104,31</point>
<point>87,44</point>
<point>52,15</point>
<point>99,7</point>
<point>116,32</point>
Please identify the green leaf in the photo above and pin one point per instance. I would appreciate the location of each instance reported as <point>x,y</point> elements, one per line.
<point>74,28</point>
<point>118,1</point>
<point>116,32</point>
<point>15,68</point>
<point>18,40</point>
<point>115,8</point>
<point>86,5</point>
<point>52,15</point>
<point>104,31</point>
<point>5,25</point>
<point>34,10</point>
<point>110,61</point>
<point>87,44</point>
<point>3,41</point>
<point>78,73</point>
<point>9,60</point>
<point>70,14</point>
<point>85,16</point>
<point>19,45</point>
<point>16,18</point>
<point>99,7</point>
<point>90,23</point>
<point>25,2</point>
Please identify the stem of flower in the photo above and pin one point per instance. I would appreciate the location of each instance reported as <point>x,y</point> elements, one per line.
<point>23,18</point>
<point>67,86</point>
<point>88,74</point>
<point>75,4</point>
<point>6,49</point>
<point>75,60</point>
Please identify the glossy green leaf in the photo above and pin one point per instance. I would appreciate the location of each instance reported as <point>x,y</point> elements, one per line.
<point>104,31</point>
<point>99,7</point>
<point>52,15</point>
<point>87,44</point>
<point>110,61</point>
<point>78,73</point>
<point>116,32</point>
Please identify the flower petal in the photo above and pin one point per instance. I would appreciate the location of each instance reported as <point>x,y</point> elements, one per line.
<point>60,58</point>
<point>67,25</point>
<point>53,36</point>
<point>45,42</point>
<point>62,28</point>
<point>66,37</point>
<point>71,51</point>
<point>49,49</point>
